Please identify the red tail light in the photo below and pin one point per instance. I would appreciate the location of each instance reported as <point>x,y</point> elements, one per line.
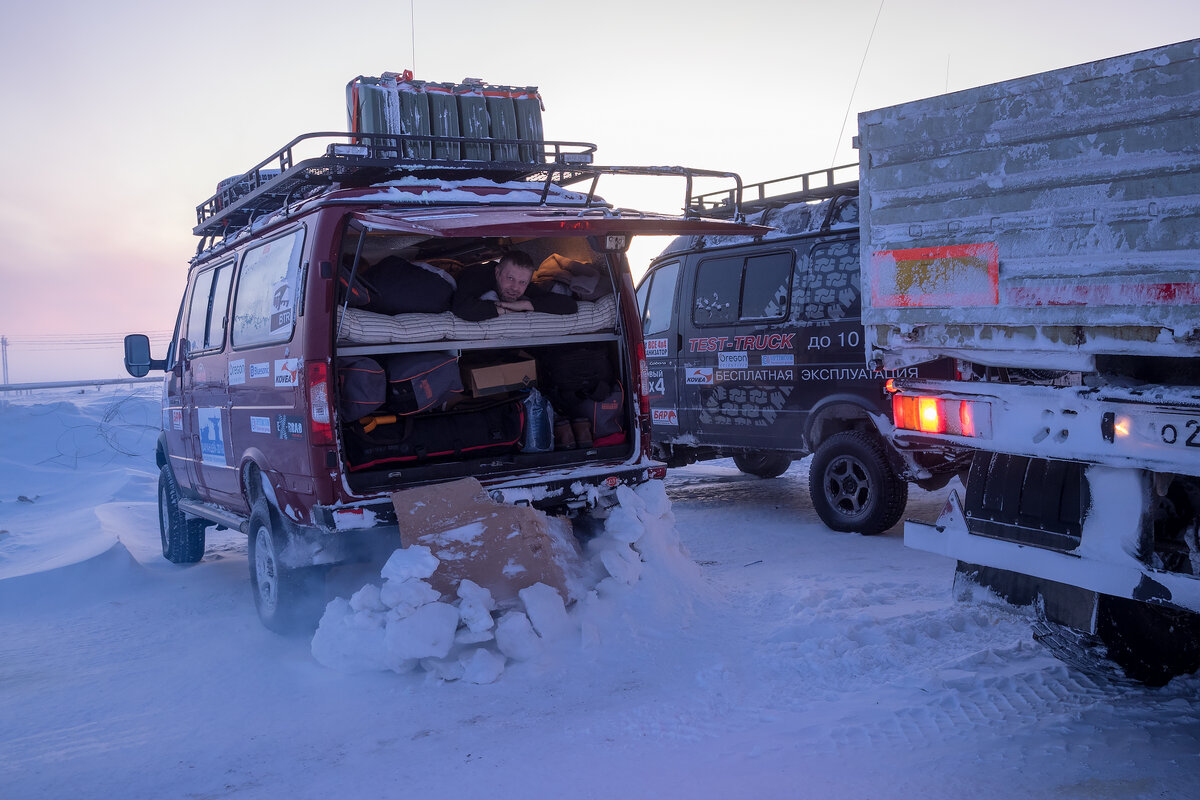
<point>927,414</point>
<point>320,429</point>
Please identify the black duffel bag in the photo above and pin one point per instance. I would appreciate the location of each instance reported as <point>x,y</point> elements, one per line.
<point>421,381</point>
<point>398,286</point>
<point>460,433</point>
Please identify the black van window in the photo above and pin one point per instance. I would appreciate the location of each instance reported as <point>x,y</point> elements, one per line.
<point>268,292</point>
<point>718,287</point>
<point>832,287</point>
<point>766,287</point>
<point>660,299</point>
<point>206,314</point>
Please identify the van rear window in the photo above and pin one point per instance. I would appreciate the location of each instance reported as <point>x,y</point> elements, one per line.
<point>268,292</point>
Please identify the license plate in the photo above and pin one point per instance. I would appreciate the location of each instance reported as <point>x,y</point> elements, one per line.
<point>1175,431</point>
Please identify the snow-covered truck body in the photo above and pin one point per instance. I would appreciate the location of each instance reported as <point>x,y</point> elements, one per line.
<point>1045,232</point>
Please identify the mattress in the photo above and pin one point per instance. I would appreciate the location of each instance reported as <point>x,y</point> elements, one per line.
<point>357,326</point>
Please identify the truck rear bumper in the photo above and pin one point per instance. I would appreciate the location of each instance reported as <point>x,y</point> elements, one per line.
<point>1126,578</point>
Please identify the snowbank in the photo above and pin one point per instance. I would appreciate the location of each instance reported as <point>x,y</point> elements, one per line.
<point>636,565</point>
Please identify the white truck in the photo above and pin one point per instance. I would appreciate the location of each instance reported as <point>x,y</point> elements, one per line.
<point>1045,232</point>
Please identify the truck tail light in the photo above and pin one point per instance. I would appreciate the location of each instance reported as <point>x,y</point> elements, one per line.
<point>927,414</point>
<point>320,429</point>
<point>644,380</point>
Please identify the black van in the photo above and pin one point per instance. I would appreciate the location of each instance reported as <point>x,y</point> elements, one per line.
<point>755,350</point>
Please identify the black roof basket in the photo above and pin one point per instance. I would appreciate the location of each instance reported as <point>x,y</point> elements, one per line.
<point>363,159</point>
<point>821,184</point>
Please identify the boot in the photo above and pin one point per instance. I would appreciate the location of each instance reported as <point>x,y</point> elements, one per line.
<point>583,432</point>
<point>564,437</point>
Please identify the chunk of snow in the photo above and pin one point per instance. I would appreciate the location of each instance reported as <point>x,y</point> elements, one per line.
<point>482,666</point>
<point>427,632</point>
<point>621,563</point>
<point>410,562</point>
<point>367,599</point>
<point>515,637</point>
<point>623,525</point>
<point>404,597</point>
<point>476,606</point>
<point>546,611</point>
<point>344,643</point>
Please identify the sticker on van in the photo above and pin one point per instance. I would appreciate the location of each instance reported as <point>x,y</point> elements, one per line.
<point>260,424</point>
<point>289,428</point>
<point>212,436</point>
<point>237,372</point>
<point>664,416</point>
<point>262,370</point>
<point>657,347</point>
<point>702,376</point>
<point>287,372</point>
<point>734,360</point>
<point>778,360</point>
<point>177,419</point>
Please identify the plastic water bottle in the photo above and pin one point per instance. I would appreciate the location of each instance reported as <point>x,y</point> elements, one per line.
<point>539,423</point>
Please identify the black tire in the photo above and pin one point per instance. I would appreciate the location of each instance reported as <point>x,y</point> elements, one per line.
<point>289,600</point>
<point>182,537</point>
<point>763,463</point>
<point>853,485</point>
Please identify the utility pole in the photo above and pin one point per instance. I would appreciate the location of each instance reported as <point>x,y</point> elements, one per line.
<point>4,356</point>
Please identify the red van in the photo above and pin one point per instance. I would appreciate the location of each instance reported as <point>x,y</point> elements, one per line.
<point>297,398</point>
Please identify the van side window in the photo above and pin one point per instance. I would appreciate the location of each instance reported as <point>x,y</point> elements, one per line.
<point>832,284</point>
<point>718,286</point>
<point>766,287</point>
<point>206,314</point>
<point>268,292</point>
<point>743,289</point>
<point>659,299</point>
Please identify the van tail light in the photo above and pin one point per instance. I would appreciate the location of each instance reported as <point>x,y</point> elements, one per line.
<point>644,380</point>
<point>927,414</point>
<point>320,429</point>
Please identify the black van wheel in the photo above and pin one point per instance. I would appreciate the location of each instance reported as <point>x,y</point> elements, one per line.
<point>288,599</point>
<point>763,463</point>
<point>182,538</point>
<point>853,486</point>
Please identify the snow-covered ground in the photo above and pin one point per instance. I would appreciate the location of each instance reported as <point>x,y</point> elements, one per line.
<point>791,662</point>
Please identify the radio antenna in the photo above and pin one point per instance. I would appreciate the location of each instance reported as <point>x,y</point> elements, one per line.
<point>850,104</point>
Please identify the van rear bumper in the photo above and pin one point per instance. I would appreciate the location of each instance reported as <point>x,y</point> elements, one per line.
<point>553,491</point>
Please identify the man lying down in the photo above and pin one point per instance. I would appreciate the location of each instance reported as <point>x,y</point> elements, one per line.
<point>486,292</point>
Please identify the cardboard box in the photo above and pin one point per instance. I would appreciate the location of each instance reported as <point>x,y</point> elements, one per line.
<point>498,378</point>
<point>500,547</point>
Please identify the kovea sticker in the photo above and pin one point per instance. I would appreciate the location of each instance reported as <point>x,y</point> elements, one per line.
<point>664,416</point>
<point>656,348</point>
<point>262,370</point>
<point>701,376</point>
<point>778,360</point>
<point>260,424</point>
<point>736,360</point>
<point>237,372</point>
<point>287,372</point>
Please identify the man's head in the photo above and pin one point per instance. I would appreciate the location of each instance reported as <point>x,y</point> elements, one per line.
<point>513,274</point>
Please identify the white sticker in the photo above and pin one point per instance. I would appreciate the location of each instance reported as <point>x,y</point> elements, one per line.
<point>657,347</point>
<point>287,372</point>
<point>281,308</point>
<point>738,359</point>
<point>260,424</point>
<point>702,376</point>
<point>261,370</point>
<point>664,416</point>
<point>237,372</point>
<point>778,361</point>
<point>177,419</point>
<point>212,436</point>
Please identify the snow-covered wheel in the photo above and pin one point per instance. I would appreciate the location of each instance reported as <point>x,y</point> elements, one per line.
<point>288,599</point>
<point>763,463</point>
<point>182,537</point>
<point>853,485</point>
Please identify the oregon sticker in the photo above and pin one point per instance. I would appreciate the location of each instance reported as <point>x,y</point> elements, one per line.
<point>738,359</point>
<point>237,372</point>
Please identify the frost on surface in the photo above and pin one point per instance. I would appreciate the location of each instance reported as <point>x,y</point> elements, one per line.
<point>635,562</point>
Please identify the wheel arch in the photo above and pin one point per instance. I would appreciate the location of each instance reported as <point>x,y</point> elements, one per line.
<point>841,412</point>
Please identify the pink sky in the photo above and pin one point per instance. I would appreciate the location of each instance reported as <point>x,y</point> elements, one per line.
<point>121,117</point>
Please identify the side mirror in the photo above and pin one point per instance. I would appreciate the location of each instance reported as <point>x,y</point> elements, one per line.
<point>137,356</point>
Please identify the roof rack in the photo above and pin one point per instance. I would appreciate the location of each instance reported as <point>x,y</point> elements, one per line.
<point>362,159</point>
<point>820,184</point>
